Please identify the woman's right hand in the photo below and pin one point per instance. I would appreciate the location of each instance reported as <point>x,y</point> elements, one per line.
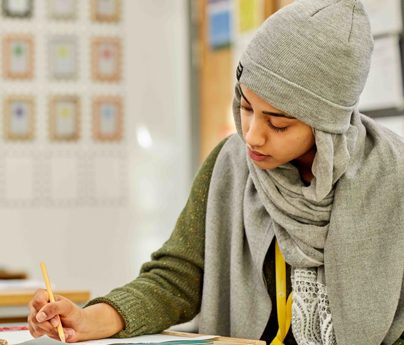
<point>94,322</point>
<point>44,317</point>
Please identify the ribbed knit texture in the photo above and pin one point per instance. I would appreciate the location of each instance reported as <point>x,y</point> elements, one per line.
<point>311,60</point>
<point>149,305</point>
<point>168,289</point>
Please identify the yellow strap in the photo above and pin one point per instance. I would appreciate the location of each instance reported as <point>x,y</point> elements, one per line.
<point>284,308</point>
<point>276,341</point>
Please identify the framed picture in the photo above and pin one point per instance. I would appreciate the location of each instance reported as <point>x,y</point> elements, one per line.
<point>62,9</point>
<point>63,61</point>
<point>107,118</point>
<point>106,59</point>
<point>106,10</point>
<point>17,8</point>
<point>220,23</point>
<point>18,57</point>
<point>249,15</point>
<point>64,118</point>
<point>19,117</point>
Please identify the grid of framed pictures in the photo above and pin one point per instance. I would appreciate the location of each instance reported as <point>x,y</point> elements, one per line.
<point>108,11</point>
<point>38,50</point>
<point>62,117</point>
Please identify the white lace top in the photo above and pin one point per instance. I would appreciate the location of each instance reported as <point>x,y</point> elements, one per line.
<point>311,315</point>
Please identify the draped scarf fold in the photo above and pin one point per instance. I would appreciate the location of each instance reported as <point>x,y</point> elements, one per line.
<point>301,217</point>
<point>301,214</point>
<point>343,233</point>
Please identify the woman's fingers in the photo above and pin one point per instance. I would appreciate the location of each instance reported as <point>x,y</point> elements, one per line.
<point>71,335</point>
<point>38,329</point>
<point>44,316</point>
<point>51,311</point>
<point>40,299</point>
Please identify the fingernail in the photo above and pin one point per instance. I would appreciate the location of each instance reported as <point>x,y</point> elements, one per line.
<point>69,333</point>
<point>54,322</point>
<point>41,316</point>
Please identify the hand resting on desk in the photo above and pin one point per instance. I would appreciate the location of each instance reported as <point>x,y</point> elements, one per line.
<point>94,322</point>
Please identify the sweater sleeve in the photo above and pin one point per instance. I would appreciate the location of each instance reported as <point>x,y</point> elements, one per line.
<point>168,290</point>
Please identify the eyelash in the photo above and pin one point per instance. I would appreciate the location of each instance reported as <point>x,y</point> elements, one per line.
<point>276,129</point>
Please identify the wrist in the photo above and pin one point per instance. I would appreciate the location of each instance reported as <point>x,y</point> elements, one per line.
<point>102,321</point>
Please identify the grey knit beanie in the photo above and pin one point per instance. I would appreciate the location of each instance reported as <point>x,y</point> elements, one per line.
<point>311,60</point>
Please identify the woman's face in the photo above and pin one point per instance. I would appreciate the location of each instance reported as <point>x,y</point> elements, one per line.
<point>272,137</point>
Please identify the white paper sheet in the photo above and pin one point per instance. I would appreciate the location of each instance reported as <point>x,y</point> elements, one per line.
<point>15,337</point>
<point>24,337</point>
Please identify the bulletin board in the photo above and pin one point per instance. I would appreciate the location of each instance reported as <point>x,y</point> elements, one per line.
<point>224,29</point>
<point>383,94</point>
<point>62,125</point>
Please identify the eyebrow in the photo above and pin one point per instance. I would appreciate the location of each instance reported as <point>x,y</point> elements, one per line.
<point>264,111</point>
<point>276,114</point>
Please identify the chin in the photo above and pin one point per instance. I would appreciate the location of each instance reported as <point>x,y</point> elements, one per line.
<point>265,165</point>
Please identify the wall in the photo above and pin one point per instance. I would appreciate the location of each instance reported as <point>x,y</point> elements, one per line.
<point>100,247</point>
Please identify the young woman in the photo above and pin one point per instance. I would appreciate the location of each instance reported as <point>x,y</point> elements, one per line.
<point>307,179</point>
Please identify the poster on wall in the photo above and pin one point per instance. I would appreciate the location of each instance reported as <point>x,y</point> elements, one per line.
<point>62,9</point>
<point>106,59</point>
<point>18,56</point>
<point>249,14</point>
<point>63,62</point>
<point>17,8</point>
<point>19,113</point>
<point>220,24</point>
<point>64,118</point>
<point>107,118</point>
<point>106,10</point>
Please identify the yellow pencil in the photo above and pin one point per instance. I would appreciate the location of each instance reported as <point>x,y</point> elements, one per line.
<point>51,298</point>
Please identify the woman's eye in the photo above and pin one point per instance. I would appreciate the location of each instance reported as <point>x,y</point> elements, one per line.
<point>277,129</point>
<point>243,107</point>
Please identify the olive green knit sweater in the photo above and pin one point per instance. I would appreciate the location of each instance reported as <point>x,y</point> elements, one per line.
<point>168,290</point>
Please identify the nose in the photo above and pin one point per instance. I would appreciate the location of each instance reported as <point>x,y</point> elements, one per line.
<point>255,135</point>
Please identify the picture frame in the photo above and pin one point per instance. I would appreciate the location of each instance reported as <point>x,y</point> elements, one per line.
<point>107,11</point>
<point>63,57</point>
<point>62,9</point>
<point>107,118</point>
<point>18,56</point>
<point>17,8</point>
<point>64,118</point>
<point>106,59</point>
<point>19,118</point>
<point>220,22</point>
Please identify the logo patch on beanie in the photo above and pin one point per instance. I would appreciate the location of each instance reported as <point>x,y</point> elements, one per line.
<point>239,71</point>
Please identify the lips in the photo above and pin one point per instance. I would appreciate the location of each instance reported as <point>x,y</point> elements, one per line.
<point>256,156</point>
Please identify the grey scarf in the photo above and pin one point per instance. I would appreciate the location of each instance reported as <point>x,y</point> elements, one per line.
<point>311,60</point>
<point>351,220</point>
<point>301,217</point>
